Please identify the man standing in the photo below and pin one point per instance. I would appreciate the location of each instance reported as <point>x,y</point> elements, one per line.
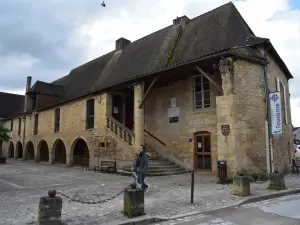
<point>143,167</point>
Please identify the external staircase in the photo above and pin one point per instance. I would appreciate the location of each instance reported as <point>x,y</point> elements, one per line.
<point>158,166</point>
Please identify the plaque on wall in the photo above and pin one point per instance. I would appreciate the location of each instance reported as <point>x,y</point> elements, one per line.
<point>225,129</point>
<point>173,114</point>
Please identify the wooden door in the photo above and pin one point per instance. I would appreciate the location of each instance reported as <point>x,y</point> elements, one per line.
<point>202,151</point>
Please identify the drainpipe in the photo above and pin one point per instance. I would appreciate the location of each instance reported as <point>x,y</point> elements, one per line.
<point>268,132</point>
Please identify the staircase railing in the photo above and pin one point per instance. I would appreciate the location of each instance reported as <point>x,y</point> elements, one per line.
<point>120,130</point>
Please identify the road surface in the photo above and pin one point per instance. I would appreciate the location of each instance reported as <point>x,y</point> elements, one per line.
<point>281,211</point>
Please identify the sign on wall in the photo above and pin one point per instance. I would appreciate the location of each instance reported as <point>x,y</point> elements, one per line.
<point>275,112</point>
<point>225,129</point>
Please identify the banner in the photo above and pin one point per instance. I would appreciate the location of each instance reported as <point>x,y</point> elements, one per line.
<point>275,111</point>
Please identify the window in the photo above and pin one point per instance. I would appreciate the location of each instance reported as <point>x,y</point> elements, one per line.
<point>282,91</point>
<point>56,120</point>
<point>90,110</point>
<point>36,124</point>
<point>19,127</point>
<point>11,125</point>
<point>202,92</point>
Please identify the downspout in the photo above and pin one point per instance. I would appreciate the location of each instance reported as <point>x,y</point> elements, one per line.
<point>268,132</point>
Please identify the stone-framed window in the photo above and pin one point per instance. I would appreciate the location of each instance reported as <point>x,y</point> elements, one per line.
<point>282,90</point>
<point>202,99</point>
<point>56,120</point>
<point>11,125</point>
<point>19,126</point>
<point>36,124</point>
<point>90,113</point>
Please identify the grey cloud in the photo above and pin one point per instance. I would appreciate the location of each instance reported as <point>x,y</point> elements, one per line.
<point>43,29</point>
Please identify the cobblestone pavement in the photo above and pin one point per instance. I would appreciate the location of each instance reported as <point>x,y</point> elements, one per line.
<point>259,213</point>
<point>23,183</point>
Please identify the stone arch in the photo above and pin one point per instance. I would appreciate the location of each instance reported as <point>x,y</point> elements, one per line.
<point>11,150</point>
<point>43,151</point>
<point>59,154</point>
<point>29,151</point>
<point>79,150</point>
<point>19,150</point>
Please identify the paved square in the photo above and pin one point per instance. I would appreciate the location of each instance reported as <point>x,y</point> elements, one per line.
<point>23,183</point>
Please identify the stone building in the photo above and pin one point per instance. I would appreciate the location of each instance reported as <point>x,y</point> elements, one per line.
<point>194,92</point>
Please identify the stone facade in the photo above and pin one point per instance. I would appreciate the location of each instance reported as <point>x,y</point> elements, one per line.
<point>241,105</point>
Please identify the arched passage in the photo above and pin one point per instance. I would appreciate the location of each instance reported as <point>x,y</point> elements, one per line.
<point>29,150</point>
<point>19,148</point>
<point>80,151</point>
<point>11,150</point>
<point>43,151</point>
<point>59,152</point>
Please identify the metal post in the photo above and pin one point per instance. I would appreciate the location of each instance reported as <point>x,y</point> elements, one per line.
<point>192,186</point>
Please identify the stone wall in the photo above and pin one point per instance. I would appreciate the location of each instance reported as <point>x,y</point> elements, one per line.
<point>72,127</point>
<point>177,135</point>
<point>283,144</point>
<point>250,112</point>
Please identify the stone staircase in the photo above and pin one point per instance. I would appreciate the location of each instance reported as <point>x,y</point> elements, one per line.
<point>157,167</point>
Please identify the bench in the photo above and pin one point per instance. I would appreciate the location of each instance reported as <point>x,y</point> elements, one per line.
<point>108,166</point>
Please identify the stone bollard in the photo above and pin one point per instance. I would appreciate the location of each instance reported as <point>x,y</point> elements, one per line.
<point>241,185</point>
<point>134,201</point>
<point>50,209</point>
<point>277,181</point>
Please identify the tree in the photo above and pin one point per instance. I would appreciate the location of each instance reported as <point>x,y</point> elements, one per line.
<point>4,133</point>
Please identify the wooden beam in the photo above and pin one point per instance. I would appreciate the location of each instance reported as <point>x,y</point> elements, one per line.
<point>149,88</point>
<point>208,78</point>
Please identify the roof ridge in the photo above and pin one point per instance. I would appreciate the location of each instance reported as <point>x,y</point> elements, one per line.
<point>8,93</point>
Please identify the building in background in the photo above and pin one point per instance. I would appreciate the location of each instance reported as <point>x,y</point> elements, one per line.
<point>194,92</point>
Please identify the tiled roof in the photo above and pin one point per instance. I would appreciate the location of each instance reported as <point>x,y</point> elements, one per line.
<point>11,104</point>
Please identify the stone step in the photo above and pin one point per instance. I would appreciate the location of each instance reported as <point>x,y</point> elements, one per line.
<point>153,174</point>
<point>172,166</point>
<point>159,163</point>
<point>158,170</point>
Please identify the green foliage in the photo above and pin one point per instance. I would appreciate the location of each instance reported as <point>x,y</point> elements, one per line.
<point>4,136</point>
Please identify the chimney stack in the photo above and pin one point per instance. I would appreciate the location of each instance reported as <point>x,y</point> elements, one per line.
<point>27,104</point>
<point>122,43</point>
<point>181,21</point>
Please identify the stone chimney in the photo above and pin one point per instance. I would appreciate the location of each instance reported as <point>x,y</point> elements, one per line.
<point>121,43</point>
<point>181,21</point>
<point>27,104</point>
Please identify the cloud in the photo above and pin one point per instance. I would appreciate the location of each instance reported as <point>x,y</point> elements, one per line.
<point>47,39</point>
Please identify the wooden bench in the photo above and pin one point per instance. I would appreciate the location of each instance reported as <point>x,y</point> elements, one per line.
<point>108,166</point>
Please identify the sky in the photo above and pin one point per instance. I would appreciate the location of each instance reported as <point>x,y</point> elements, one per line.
<point>46,39</point>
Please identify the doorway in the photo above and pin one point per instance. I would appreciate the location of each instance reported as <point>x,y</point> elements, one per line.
<point>202,151</point>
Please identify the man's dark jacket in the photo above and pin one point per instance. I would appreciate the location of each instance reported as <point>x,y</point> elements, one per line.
<point>143,163</point>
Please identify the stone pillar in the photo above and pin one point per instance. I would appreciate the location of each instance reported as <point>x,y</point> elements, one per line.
<point>139,120</point>
<point>228,144</point>
<point>123,109</point>
<point>69,159</point>
<point>49,211</point>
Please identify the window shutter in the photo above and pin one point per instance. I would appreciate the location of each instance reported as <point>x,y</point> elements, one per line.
<point>285,106</point>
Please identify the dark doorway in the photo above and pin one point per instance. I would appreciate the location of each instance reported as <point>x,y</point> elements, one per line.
<point>202,150</point>
<point>29,151</point>
<point>117,108</point>
<point>19,150</point>
<point>11,150</point>
<point>44,151</point>
<point>129,111</point>
<point>80,152</point>
<point>59,152</point>
<point>0,147</point>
